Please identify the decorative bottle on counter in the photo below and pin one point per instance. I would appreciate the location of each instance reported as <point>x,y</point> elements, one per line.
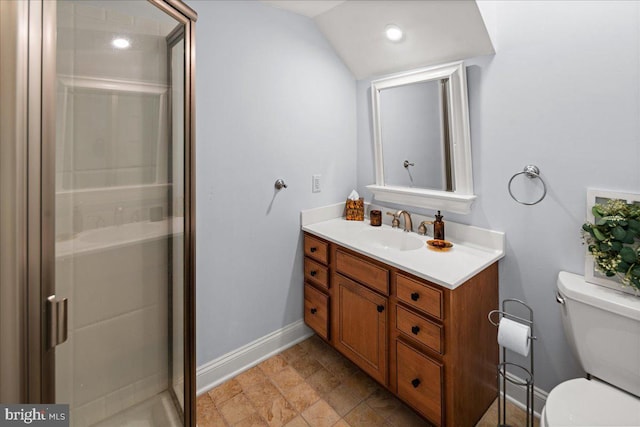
<point>438,227</point>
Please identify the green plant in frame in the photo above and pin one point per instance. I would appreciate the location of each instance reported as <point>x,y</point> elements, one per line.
<point>614,240</point>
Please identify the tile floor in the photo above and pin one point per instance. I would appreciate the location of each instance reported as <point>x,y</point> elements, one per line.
<point>312,385</point>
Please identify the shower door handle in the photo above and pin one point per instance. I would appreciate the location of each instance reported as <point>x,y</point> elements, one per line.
<point>57,321</point>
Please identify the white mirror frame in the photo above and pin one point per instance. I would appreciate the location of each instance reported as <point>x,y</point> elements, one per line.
<point>459,200</point>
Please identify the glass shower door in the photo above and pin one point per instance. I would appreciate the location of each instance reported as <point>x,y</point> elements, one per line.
<point>120,212</point>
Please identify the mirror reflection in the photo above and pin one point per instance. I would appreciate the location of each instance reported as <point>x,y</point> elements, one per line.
<point>415,131</point>
<point>422,144</point>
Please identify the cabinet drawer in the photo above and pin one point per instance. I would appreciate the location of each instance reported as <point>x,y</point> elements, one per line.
<point>420,296</point>
<point>419,328</point>
<point>316,249</point>
<point>420,382</point>
<point>316,273</point>
<point>367,273</point>
<point>316,311</point>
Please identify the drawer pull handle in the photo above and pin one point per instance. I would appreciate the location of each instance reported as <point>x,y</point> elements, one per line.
<point>415,330</point>
<point>313,273</point>
<point>415,296</point>
<point>313,249</point>
<point>415,383</point>
<point>380,308</point>
<point>314,311</point>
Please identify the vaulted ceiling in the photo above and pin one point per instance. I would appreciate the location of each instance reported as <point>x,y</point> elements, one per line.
<point>436,31</point>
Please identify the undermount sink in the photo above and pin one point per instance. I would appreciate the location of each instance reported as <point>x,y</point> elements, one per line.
<point>390,239</point>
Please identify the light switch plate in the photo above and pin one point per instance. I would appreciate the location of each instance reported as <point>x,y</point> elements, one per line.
<point>315,183</point>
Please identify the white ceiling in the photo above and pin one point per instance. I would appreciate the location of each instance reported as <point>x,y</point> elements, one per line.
<point>310,8</point>
<point>436,31</point>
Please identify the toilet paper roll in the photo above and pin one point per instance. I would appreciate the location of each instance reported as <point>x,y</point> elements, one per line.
<point>514,336</point>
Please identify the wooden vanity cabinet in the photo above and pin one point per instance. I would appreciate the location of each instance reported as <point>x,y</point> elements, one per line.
<point>317,285</point>
<point>431,346</point>
<point>442,338</point>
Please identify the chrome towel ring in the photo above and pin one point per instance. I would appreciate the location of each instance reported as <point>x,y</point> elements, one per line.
<point>531,171</point>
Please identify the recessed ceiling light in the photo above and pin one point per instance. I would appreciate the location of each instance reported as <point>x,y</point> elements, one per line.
<point>120,43</point>
<point>393,33</point>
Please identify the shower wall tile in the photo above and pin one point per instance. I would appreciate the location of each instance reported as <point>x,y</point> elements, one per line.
<point>119,20</point>
<point>120,399</point>
<point>90,179</point>
<point>151,385</point>
<point>64,351</point>
<point>64,370</point>
<point>148,26</point>
<point>96,207</point>
<point>64,14</point>
<point>118,352</point>
<point>88,414</point>
<point>133,176</point>
<point>146,65</point>
<point>118,327</point>
<point>90,14</point>
<point>104,292</point>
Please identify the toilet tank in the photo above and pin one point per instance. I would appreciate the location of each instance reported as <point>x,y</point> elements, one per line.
<point>603,329</point>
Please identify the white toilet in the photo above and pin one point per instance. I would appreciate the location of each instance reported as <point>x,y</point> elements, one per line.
<point>603,328</point>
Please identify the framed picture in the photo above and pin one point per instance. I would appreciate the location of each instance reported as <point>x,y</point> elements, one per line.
<point>591,275</point>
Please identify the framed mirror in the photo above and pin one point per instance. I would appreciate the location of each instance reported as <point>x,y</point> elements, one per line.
<point>421,139</point>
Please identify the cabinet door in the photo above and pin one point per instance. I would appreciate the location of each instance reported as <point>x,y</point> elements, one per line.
<point>361,321</point>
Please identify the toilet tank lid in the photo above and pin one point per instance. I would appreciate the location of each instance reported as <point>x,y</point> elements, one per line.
<point>575,287</point>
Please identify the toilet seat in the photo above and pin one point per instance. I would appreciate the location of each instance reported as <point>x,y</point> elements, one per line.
<point>582,402</point>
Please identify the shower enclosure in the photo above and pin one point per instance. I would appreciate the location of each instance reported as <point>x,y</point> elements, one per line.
<point>102,209</point>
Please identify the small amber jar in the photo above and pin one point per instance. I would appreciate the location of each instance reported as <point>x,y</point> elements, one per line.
<point>375,216</point>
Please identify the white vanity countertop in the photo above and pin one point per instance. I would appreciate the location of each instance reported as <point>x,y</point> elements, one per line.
<point>474,249</point>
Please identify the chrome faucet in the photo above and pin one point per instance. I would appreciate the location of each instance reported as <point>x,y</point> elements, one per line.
<point>408,226</point>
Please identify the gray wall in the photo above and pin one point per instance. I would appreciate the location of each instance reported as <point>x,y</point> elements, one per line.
<point>273,101</point>
<point>562,92</point>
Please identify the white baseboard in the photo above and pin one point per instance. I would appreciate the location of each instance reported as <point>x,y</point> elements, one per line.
<point>231,364</point>
<point>518,396</point>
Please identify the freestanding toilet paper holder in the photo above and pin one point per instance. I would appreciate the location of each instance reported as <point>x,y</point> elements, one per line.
<point>524,376</point>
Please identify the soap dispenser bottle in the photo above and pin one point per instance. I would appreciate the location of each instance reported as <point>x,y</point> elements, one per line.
<point>438,227</point>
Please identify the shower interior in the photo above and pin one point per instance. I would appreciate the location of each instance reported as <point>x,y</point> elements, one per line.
<point>119,213</point>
